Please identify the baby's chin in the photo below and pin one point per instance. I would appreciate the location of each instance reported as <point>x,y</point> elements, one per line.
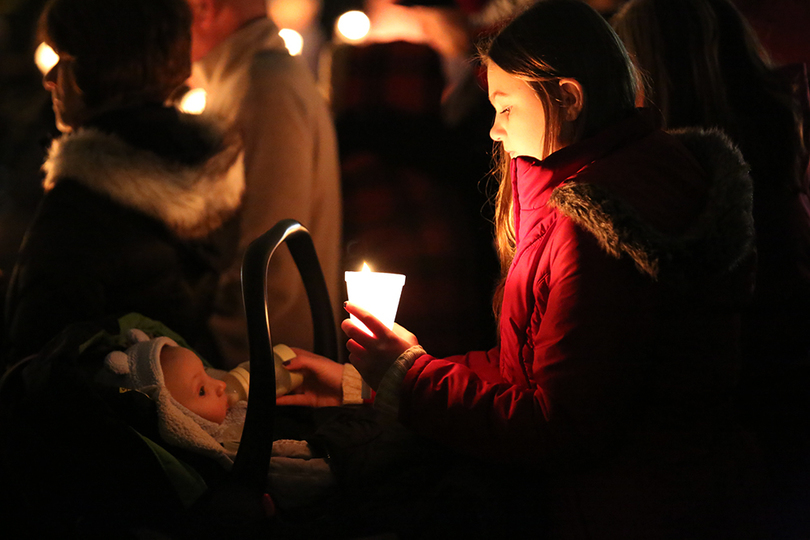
<point>217,417</point>
<point>221,417</point>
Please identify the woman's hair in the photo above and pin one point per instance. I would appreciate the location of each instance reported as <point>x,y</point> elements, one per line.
<point>549,41</point>
<point>124,51</point>
<point>703,66</point>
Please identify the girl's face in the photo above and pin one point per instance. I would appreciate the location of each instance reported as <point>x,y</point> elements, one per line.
<point>188,383</point>
<point>520,120</point>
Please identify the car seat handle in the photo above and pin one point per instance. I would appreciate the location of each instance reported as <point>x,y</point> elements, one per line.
<point>252,461</point>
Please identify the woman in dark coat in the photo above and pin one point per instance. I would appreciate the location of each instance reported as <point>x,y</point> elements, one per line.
<point>135,190</point>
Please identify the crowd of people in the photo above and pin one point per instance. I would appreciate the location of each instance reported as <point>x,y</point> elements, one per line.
<point>628,357</point>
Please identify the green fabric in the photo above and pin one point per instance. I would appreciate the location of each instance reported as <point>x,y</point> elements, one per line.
<point>129,321</point>
<point>187,483</point>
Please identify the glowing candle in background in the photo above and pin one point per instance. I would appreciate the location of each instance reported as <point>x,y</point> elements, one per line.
<point>293,41</point>
<point>376,292</point>
<point>352,26</point>
<point>45,58</point>
<point>193,101</point>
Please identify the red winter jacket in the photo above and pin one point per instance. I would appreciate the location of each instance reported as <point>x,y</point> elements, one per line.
<point>619,328</point>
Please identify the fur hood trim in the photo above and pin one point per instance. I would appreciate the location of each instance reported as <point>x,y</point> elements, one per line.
<point>191,199</point>
<point>721,237</point>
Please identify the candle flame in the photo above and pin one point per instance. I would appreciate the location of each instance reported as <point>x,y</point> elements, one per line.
<point>366,267</point>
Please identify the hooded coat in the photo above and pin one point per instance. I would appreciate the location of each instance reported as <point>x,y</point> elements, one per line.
<point>133,203</point>
<point>619,334</point>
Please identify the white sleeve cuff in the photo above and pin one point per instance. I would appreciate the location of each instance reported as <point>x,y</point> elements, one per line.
<point>352,384</point>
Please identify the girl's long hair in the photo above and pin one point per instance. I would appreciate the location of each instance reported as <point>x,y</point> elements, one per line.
<point>549,41</point>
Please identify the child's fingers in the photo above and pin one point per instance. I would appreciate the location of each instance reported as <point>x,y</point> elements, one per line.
<point>347,325</point>
<point>355,333</point>
<point>372,323</point>
<point>293,399</point>
<point>295,364</point>
<point>354,347</point>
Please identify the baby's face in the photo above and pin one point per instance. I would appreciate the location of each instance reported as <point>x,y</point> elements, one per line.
<point>188,383</point>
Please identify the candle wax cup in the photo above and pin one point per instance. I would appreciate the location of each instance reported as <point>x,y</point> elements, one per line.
<point>377,293</point>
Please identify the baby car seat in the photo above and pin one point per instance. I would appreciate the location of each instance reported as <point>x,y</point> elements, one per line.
<point>82,460</point>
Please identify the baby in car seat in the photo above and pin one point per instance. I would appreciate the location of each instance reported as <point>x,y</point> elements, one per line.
<point>194,413</point>
<point>205,423</point>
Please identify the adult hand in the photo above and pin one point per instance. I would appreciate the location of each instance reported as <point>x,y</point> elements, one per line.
<point>323,381</point>
<point>372,355</point>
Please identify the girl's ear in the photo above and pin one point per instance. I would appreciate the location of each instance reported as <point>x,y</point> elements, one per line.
<point>572,97</point>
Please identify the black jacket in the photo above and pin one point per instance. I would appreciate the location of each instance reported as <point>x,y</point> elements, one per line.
<point>134,203</point>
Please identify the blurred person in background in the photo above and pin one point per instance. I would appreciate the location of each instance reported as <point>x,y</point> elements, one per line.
<point>135,190</point>
<point>703,66</point>
<point>290,161</point>
<point>781,26</point>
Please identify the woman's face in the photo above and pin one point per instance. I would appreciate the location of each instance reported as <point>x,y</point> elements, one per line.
<point>68,105</point>
<point>520,120</point>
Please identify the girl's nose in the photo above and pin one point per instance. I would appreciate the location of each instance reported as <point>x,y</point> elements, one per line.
<point>221,387</point>
<point>496,133</point>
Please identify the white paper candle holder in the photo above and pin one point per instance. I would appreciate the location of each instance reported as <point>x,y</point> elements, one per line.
<point>376,292</point>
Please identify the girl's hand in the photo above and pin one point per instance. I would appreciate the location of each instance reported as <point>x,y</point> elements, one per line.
<point>323,381</point>
<point>373,355</point>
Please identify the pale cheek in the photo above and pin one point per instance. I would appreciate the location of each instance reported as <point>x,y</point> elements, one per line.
<point>540,145</point>
<point>220,412</point>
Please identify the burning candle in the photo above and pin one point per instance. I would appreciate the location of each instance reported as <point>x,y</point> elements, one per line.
<point>376,292</point>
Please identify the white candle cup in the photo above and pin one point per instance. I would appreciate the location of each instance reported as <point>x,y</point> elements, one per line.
<point>376,292</point>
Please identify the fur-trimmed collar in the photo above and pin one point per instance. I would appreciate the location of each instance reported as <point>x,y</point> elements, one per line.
<point>192,199</point>
<point>715,243</point>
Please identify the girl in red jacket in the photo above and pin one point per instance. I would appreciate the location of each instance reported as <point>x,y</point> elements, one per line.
<point>626,255</point>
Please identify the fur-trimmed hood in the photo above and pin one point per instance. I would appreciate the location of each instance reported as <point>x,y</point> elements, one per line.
<point>716,242</point>
<point>180,169</point>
